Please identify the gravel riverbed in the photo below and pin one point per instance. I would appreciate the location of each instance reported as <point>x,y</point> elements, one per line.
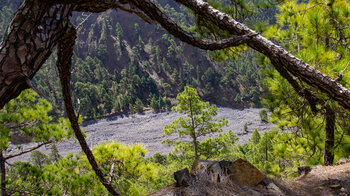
<point>147,129</point>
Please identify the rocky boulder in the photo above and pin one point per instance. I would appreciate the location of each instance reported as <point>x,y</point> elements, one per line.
<point>239,171</point>
<point>244,173</point>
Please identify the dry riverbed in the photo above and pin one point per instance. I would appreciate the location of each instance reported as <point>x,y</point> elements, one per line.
<point>147,129</point>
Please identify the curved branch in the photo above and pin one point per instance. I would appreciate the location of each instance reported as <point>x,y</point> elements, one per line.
<point>279,57</point>
<point>64,63</point>
<point>156,14</point>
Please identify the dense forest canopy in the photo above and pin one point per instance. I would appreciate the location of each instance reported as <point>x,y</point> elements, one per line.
<point>38,27</point>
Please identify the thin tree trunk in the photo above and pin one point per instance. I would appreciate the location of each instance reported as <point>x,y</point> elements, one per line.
<point>195,148</point>
<point>64,63</point>
<point>329,142</point>
<point>194,136</point>
<point>266,148</point>
<point>3,174</point>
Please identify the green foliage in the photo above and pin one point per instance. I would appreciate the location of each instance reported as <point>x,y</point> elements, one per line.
<point>139,106</point>
<point>39,159</point>
<point>27,115</point>
<point>199,121</point>
<point>132,174</point>
<point>54,154</point>
<point>218,147</point>
<point>263,115</point>
<point>308,29</point>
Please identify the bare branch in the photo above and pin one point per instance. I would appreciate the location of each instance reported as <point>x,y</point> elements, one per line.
<point>28,150</point>
<point>20,125</point>
<point>157,15</point>
<point>82,22</point>
<point>136,11</point>
<point>111,175</point>
<point>32,86</point>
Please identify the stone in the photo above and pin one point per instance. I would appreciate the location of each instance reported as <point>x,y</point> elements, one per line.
<point>343,161</point>
<point>218,170</point>
<point>273,188</point>
<point>335,186</point>
<point>244,173</point>
<point>304,169</point>
<point>200,166</point>
<point>182,177</point>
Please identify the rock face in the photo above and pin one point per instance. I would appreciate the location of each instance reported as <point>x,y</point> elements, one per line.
<point>240,171</point>
<point>244,173</point>
<point>182,177</point>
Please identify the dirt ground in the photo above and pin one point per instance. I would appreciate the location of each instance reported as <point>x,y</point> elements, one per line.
<point>323,180</point>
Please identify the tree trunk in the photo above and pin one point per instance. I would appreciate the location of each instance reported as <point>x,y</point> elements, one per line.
<point>64,63</point>
<point>29,41</point>
<point>3,174</point>
<point>195,148</point>
<point>329,142</point>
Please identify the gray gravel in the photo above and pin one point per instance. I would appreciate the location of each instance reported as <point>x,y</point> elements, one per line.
<point>147,129</point>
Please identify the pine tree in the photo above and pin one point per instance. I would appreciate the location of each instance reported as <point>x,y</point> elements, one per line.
<point>27,115</point>
<point>314,36</point>
<point>139,106</point>
<point>199,121</point>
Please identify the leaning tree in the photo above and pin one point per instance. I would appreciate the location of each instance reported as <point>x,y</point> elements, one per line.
<point>40,26</point>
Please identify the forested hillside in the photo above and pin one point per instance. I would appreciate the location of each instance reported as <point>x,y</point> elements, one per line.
<point>122,64</point>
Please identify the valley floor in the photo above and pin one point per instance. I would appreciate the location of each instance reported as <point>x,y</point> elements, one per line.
<point>147,129</point>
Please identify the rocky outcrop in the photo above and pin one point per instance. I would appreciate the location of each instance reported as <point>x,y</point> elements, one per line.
<point>214,178</point>
<point>223,177</point>
<point>239,171</point>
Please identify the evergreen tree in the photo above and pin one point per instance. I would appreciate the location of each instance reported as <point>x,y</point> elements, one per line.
<point>199,121</point>
<point>139,106</point>
<point>54,154</point>
<point>27,115</point>
<point>313,37</point>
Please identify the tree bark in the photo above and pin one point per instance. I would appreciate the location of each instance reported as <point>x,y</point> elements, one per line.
<point>29,41</point>
<point>329,142</point>
<point>279,57</point>
<point>64,63</point>
<point>3,174</point>
<point>37,25</point>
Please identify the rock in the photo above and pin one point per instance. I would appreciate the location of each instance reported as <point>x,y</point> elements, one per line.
<point>342,161</point>
<point>335,186</point>
<point>274,189</point>
<point>219,169</point>
<point>200,166</point>
<point>239,171</point>
<point>244,173</point>
<point>182,177</point>
<point>304,169</point>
